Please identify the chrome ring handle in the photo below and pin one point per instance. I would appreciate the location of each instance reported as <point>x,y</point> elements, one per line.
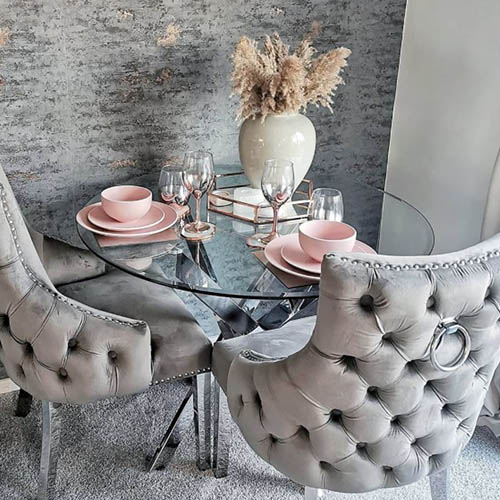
<point>450,327</point>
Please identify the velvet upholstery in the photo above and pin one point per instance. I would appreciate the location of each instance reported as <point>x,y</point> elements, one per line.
<point>57,348</point>
<point>65,263</point>
<point>179,346</point>
<point>362,406</point>
<point>274,344</point>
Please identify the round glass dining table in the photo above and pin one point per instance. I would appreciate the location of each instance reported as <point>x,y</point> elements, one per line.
<point>225,266</point>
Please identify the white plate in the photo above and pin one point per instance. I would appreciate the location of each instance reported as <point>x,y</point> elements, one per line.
<point>168,221</point>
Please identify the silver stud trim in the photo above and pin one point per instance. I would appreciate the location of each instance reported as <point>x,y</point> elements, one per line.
<point>181,376</point>
<point>39,283</point>
<point>434,266</point>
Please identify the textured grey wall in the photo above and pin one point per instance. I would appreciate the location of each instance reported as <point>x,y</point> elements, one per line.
<point>88,97</point>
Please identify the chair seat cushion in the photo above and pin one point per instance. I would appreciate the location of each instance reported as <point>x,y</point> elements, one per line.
<point>179,347</point>
<point>277,343</point>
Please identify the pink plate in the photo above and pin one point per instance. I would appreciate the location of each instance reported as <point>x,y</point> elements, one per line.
<point>168,221</point>
<point>100,218</point>
<point>292,253</point>
<point>273,255</point>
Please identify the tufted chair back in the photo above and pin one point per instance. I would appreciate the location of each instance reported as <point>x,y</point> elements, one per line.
<point>389,388</point>
<point>53,347</point>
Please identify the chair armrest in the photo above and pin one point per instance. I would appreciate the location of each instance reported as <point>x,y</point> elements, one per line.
<point>63,262</point>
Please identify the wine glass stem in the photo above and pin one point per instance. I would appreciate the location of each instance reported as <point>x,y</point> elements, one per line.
<point>274,229</point>
<point>197,217</point>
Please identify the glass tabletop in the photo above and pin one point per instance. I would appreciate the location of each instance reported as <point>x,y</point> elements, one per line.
<point>225,266</point>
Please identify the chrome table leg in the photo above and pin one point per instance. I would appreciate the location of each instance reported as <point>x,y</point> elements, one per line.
<point>202,396</point>
<point>222,433</point>
<point>152,463</point>
<point>51,431</point>
<point>439,485</point>
<point>24,401</point>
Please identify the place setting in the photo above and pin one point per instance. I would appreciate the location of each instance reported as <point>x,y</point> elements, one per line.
<point>300,254</point>
<point>128,215</point>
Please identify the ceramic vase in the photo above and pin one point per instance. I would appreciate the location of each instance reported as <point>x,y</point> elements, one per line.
<point>284,136</point>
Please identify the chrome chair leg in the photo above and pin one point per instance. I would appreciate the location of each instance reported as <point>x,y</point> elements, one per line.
<point>439,485</point>
<point>167,438</point>
<point>313,493</point>
<point>202,396</point>
<point>222,433</point>
<point>51,431</point>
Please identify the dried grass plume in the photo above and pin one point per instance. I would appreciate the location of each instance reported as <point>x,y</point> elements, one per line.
<point>273,80</point>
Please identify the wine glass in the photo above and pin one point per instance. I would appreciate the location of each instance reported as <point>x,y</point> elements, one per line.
<point>173,191</point>
<point>198,175</point>
<point>171,185</point>
<point>277,184</point>
<point>326,204</point>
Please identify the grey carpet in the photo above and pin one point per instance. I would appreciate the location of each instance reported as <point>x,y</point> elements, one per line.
<point>104,444</point>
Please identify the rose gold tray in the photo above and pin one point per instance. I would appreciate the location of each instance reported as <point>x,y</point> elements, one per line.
<point>224,204</point>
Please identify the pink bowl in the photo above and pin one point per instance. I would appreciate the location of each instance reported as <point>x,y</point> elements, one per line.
<point>319,237</point>
<point>126,203</point>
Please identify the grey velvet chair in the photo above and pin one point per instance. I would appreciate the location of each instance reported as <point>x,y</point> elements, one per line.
<point>386,387</point>
<point>110,335</point>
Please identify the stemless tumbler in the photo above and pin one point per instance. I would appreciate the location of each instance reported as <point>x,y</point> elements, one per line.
<point>326,204</point>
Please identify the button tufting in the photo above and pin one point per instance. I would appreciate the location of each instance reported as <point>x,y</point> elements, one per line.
<point>411,365</point>
<point>387,468</point>
<point>395,420</point>
<point>361,446</point>
<point>366,302</point>
<point>336,415</point>
<point>112,355</point>
<point>349,361</point>
<point>372,391</point>
<point>431,302</point>
<point>72,343</point>
<point>28,348</point>
<point>387,337</point>
<point>63,373</point>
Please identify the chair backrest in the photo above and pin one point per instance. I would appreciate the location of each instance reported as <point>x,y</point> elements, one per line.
<point>391,384</point>
<point>53,347</point>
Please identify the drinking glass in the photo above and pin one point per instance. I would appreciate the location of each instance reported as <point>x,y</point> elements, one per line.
<point>171,185</point>
<point>277,184</point>
<point>326,204</point>
<point>173,191</point>
<point>198,175</point>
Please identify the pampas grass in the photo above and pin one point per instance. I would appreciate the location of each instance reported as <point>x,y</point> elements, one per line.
<point>273,80</point>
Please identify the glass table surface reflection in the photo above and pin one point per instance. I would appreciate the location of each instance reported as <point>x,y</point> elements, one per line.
<point>225,266</point>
